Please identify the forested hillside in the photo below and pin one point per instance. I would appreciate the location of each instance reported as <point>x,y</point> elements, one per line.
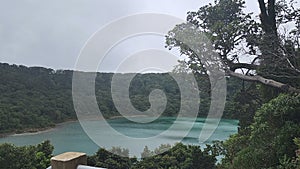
<point>36,97</point>
<point>33,97</point>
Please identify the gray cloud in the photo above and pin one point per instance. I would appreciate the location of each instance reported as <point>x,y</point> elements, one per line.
<point>51,32</point>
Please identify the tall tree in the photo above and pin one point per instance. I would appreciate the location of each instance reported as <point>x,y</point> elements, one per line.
<point>236,35</point>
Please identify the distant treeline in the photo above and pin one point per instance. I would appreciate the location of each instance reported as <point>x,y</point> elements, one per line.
<point>36,97</point>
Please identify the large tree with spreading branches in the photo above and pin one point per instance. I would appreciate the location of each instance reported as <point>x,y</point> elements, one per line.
<point>262,48</point>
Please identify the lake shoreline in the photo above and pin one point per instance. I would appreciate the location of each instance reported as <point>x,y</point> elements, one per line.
<point>33,131</point>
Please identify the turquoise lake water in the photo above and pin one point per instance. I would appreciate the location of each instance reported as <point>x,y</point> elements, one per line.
<point>71,137</point>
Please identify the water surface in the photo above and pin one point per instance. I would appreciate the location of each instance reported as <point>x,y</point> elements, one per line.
<point>71,137</point>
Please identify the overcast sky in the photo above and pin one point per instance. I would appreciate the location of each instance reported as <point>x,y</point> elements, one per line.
<point>51,33</point>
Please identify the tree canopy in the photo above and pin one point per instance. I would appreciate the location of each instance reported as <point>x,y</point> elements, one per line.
<point>26,157</point>
<point>268,107</point>
<point>235,36</point>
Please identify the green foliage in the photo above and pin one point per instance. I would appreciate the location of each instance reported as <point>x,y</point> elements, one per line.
<point>244,104</point>
<point>107,159</point>
<point>177,157</point>
<point>226,26</point>
<point>265,138</point>
<point>26,157</point>
<point>270,143</point>
<point>32,98</point>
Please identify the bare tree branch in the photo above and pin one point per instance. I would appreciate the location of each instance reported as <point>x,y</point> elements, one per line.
<point>265,81</point>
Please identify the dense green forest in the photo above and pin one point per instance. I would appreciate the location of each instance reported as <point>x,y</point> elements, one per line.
<point>264,94</point>
<point>36,97</point>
